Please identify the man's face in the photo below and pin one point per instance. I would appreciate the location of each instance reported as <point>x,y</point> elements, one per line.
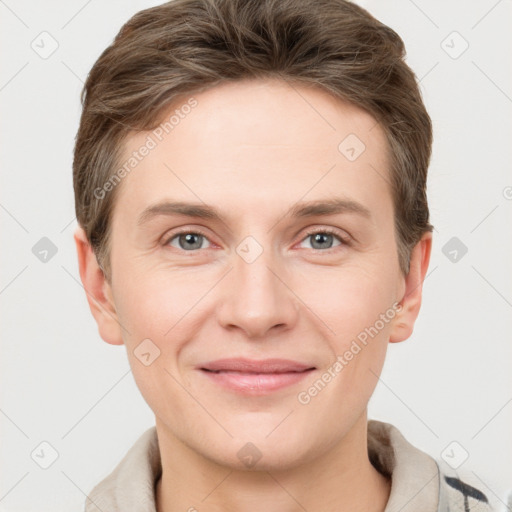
<point>257,283</point>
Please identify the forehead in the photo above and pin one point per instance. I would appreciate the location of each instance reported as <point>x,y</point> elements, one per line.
<point>257,142</point>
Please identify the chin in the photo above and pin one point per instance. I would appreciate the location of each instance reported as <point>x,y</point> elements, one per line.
<point>265,460</point>
<point>258,453</point>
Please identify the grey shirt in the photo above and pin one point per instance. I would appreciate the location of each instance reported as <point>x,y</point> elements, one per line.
<point>417,482</point>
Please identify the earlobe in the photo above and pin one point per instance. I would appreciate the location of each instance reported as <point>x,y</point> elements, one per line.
<point>411,301</point>
<point>98,291</point>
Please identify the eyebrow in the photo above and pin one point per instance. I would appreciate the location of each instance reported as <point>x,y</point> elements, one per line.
<point>303,209</point>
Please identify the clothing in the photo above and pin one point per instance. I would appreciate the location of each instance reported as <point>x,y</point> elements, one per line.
<point>417,482</point>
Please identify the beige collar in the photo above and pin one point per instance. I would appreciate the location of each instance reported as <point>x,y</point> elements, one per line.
<point>417,484</point>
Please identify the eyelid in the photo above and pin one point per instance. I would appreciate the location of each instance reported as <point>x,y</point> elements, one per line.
<point>343,238</point>
<point>184,230</point>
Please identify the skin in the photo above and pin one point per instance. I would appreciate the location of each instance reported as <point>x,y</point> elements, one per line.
<point>253,149</point>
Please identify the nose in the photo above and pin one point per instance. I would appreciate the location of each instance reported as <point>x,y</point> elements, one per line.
<point>256,297</point>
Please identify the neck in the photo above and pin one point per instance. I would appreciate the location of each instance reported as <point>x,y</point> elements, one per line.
<point>340,479</point>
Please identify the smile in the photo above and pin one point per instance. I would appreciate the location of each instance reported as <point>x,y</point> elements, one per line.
<point>254,383</point>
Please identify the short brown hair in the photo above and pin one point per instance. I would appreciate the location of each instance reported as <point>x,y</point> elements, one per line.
<point>185,46</point>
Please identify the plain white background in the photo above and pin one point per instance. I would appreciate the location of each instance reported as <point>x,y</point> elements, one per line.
<point>62,385</point>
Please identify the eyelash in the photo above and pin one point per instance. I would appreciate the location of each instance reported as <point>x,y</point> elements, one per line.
<point>328,231</point>
<point>344,241</point>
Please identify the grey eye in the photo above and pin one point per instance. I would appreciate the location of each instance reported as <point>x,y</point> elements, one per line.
<point>322,240</point>
<point>188,241</point>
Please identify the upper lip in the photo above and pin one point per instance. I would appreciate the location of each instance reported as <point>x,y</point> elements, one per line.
<point>256,366</point>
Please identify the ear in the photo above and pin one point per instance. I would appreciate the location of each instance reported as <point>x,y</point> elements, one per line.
<point>98,291</point>
<point>411,301</point>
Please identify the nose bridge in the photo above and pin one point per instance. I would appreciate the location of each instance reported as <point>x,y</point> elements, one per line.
<point>256,299</point>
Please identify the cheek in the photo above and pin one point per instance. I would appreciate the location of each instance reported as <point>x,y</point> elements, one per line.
<point>161,312</point>
<point>153,305</point>
<point>153,311</point>
<point>350,299</point>
<point>364,318</point>
<point>359,308</point>
<point>358,350</point>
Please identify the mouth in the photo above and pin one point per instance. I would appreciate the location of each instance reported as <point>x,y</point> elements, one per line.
<point>255,377</point>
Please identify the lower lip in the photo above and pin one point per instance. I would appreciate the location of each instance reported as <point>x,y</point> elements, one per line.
<point>256,383</point>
